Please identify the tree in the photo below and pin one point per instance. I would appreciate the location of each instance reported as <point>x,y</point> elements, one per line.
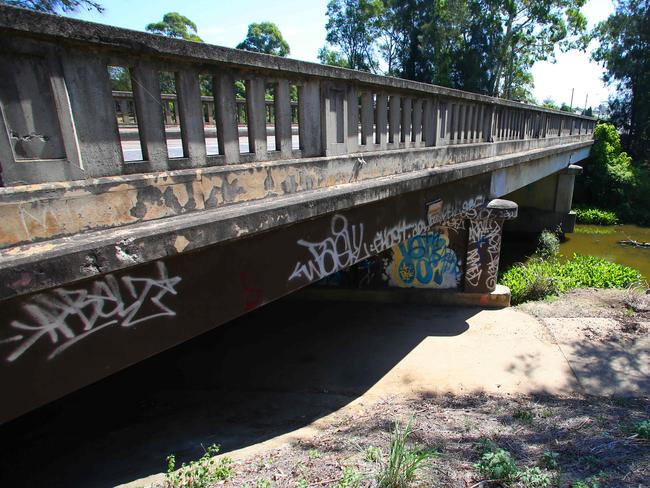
<point>175,25</point>
<point>265,37</point>
<point>55,6</point>
<point>332,58</point>
<point>352,26</point>
<point>624,51</point>
<point>550,103</point>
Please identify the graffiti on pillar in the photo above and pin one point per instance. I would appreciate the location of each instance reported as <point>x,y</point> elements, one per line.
<point>484,243</point>
<point>64,317</point>
<point>425,261</point>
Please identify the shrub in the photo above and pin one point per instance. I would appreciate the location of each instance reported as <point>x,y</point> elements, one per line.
<point>497,464</point>
<point>643,429</point>
<point>538,278</point>
<point>534,478</point>
<point>402,465</point>
<point>548,244</point>
<point>595,216</point>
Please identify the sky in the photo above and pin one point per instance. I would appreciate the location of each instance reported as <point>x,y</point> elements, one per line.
<point>302,23</point>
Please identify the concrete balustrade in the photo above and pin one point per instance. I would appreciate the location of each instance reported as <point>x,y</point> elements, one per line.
<point>72,130</point>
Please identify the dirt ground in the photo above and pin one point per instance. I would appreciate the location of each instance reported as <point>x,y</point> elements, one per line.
<point>592,436</point>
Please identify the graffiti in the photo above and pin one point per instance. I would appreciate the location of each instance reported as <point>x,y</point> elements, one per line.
<point>425,261</point>
<point>455,212</point>
<point>343,248</point>
<point>65,317</point>
<point>484,240</point>
<point>346,246</point>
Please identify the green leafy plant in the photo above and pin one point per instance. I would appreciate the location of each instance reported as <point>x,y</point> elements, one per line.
<point>351,478</point>
<point>402,464</point>
<point>541,278</point>
<point>523,415</point>
<point>262,483</point>
<point>201,473</point>
<point>313,454</point>
<point>549,460</point>
<point>372,454</point>
<point>497,464</point>
<point>586,483</point>
<point>534,478</point>
<point>548,245</point>
<point>642,429</point>
<point>595,216</point>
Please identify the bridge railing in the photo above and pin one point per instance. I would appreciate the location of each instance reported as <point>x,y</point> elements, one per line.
<point>60,122</point>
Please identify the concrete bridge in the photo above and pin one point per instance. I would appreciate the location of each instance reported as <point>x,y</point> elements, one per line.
<point>376,182</point>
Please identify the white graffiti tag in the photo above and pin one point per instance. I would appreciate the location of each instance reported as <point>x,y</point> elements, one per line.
<point>65,317</point>
<point>346,246</point>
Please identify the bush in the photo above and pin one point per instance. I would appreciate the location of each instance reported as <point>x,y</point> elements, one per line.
<point>199,474</point>
<point>548,245</point>
<point>595,216</point>
<point>539,278</point>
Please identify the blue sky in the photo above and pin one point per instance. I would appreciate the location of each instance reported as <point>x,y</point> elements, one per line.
<point>302,23</point>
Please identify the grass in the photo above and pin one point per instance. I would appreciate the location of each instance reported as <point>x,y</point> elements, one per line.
<point>540,278</point>
<point>595,216</point>
<point>593,230</point>
<point>402,465</point>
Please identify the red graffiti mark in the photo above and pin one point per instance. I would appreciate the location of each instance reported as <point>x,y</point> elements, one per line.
<point>485,299</point>
<point>24,280</point>
<point>252,295</point>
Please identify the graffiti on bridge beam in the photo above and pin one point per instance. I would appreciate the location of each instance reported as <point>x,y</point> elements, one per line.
<point>66,317</point>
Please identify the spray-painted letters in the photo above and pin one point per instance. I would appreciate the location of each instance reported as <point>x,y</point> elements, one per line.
<point>65,317</point>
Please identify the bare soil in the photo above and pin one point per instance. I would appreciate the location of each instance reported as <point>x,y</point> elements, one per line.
<point>592,437</point>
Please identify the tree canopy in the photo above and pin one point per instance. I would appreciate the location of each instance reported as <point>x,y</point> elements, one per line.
<point>265,37</point>
<point>55,6</point>
<point>175,25</point>
<point>624,51</point>
<point>485,46</point>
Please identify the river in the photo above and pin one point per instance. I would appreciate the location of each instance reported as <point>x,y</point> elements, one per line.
<point>603,241</point>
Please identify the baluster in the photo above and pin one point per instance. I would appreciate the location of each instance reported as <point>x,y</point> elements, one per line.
<point>148,106</point>
<point>256,105</point>
<point>367,116</point>
<point>416,125</point>
<point>381,120</point>
<point>394,116</point>
<point>227,131</point>
<point>283,132</point>
<point>405,130</point>
<point>190,110</point>
<point>309,105</point>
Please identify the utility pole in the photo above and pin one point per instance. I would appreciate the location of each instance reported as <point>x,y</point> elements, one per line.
<point>571,105</point>
<point>586,98</point>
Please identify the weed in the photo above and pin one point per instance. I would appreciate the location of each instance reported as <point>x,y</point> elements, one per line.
<point>497,464</point>
<point>548,245</point>
<point>302,483</point>
<point>262,483</point>
<point>534,478</point>
<point>586,483</point>
<point>351,478</point>
<point>372,454</point>
<point>523,415</point>
<point>595,216</point>
<point>313,454</point>
<point>539,278</point>
<point>403,464</point>
<point>642,429</point>
<point>200,473</point>
<point>549,460</point>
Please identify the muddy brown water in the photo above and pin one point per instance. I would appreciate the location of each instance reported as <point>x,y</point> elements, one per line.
<point>603,241</point>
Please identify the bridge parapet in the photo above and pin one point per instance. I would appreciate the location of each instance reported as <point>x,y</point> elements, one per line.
<point>59,118</point>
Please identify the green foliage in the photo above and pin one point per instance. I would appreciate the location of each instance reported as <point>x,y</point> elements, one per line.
<point>402,465</point>
<point>549,460</point>
<point>587,483</point>
<point>351,478</point>
<point>541,278</point>
<point>497,464</point>
<point>523,415</point>
<point>550,103</point>
<point>372,454</point>
<point>313,454</point>
<point>624,50</point>
<point>55,6</point>
<point>266,38</point>
<point>595,216</point>
<point>332,58</point>
<point>175,25</point>
<point>548,245</point>
<point>534,477</point>
<point>201,473</point>
<point>643,429</point>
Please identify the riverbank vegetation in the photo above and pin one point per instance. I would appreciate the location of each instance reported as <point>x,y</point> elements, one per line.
<point>595,216</point>
<point>547,274</point>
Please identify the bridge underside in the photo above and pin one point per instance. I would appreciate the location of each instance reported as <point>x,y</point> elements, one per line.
<point>81,306</point>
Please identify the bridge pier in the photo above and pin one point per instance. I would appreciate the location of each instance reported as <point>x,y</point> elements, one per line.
<point>546,204</point>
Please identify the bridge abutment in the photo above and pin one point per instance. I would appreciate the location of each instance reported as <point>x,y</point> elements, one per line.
<point>546,204</point>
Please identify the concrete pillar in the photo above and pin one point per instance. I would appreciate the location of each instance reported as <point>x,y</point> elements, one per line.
<point>564,191</point>
<point>484,244</point>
